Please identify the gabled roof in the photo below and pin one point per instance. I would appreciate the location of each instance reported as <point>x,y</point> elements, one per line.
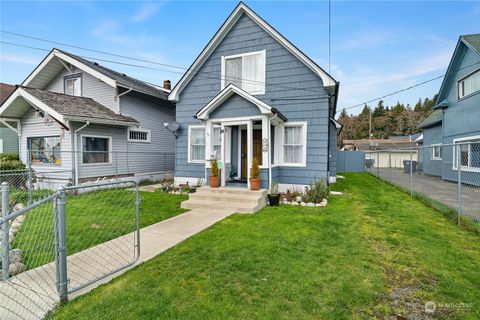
<point>5,91</point>
<point>328,81</point>
<point>109,76</point>
<point>433,119</point>
<point>471,41</point>
<point>62,107</point>
<point>226,93</point>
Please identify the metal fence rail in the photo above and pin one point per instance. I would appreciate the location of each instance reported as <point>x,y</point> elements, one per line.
<point>433,174</point>
<point>63,243</point>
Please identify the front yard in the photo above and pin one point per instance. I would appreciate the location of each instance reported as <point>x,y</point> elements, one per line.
<point>372,253</point>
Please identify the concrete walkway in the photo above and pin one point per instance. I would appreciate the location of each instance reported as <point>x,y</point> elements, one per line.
<point>32,294</point>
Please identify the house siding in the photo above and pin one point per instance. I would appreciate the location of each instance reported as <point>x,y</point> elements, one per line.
<point>431,135</point>
<point>333,151</point>
<point>286,78</point>
<point>461,118</point>
<point>10,140</point>
<point>91,88</point>
<point>233,107</point>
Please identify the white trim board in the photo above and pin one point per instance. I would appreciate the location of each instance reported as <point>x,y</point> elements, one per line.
<point>110,157</point>
<point>223,31</point>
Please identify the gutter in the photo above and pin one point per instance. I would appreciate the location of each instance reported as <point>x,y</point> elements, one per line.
<point>75,149</point>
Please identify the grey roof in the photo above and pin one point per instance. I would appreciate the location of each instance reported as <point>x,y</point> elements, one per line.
<point>434,118</point>
<point>473,40</point>
<point>121,78</point>
<point>383,144</point>
<point>79,108</point>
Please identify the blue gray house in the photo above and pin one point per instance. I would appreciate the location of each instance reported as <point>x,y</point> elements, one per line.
<point>252,94</point>
<point>78,121</point>
<point>8,137</point>
<point>456,119</point>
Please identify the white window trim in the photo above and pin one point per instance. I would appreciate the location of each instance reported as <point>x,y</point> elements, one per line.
<point>279,148</point>
<point>73,77</point>
<point>463,79</point>
<point>263,54</point>
<point>455,159</point>
<point>437,145</point>
<point>149,138</point>
<point>109,150</point>
<point>28,152</point>
<point>189,144</point>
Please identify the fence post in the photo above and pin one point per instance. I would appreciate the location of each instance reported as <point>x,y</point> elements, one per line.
<point>378,163</point>
<point>30,178</point>
<point>459,183</point>
<point>5,230</point>
<point>389,166</point>
<point>411,172</point>
<point>116,166</point>
<point>61,225</point>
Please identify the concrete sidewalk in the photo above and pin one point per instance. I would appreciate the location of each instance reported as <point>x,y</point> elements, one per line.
<point>32,294</point>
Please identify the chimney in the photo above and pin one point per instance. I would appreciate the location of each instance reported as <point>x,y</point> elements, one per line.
<point>167,84</point>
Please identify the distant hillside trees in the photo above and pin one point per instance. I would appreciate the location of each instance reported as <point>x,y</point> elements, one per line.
<point>397,120</point>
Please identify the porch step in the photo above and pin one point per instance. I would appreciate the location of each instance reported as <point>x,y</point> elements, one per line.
<point>227,199</point>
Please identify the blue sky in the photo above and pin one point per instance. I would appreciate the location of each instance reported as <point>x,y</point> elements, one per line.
<point>377,47</point>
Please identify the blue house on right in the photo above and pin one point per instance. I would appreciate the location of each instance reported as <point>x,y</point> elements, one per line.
<point>456,119</point>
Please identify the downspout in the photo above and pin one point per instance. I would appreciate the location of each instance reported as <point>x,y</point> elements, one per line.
<point>75,149</point>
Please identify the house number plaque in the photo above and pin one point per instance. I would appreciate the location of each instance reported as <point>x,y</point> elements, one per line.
<point>265,145</point>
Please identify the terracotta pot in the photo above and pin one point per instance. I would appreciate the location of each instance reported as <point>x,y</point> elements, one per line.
<point>214,182</point>
<point>255,183</point>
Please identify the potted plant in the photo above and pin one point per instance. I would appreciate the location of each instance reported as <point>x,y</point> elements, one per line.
<point>214,178</point>
<point>274,196</point>
<point>255,175</point>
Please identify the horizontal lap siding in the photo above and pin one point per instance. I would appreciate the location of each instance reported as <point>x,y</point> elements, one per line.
<point>91,88</point>
<point>152,113</point>
<point>286,78</point>
<point>10,140</point>
<point>235,106</point>
<point>431,136</point>
<point>35,127</point>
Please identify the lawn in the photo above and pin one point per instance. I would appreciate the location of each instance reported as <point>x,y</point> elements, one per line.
<point>92,218</point>
<point>373,253</point>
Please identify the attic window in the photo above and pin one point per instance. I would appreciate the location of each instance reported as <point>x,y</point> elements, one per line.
<point>246,71</point>
<point>468,85</point>
<point>72,85</point>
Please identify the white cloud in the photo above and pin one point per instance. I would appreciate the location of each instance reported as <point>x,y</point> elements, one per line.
<point>111,31</point>
<point>368,39</point>
<point>19,59</point>
<point>146,11</point>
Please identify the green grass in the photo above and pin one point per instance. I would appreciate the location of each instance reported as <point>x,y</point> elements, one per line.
<point>373,253</point>
<point>92,218</point>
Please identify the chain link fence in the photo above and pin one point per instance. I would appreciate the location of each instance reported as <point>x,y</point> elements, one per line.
<point>432,174</point>
<point>64,242</point>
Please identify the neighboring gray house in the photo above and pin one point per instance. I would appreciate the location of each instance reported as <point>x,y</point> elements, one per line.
<point>457,117</point>
<point>251,93</point>
<point>79,121</point>
<point>8,137</point>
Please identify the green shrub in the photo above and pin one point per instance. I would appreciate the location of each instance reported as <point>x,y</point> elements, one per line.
<point>214,169</point>
<point>316,192</point>
<point>255,169</point>
<point>11,165</point>
<point>8,156</point>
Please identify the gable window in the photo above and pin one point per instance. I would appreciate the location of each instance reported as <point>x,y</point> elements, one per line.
<point>246,71</point>
<point>293,143</point>
<point>196,144</point>
<point>45,150</point>
<point>436,152</point>
<point>96,150</point>
<point>217,143</point>
<point>72,85</point>
<point>468,85</point>
<point>469,149</point>
<point>138,135</point>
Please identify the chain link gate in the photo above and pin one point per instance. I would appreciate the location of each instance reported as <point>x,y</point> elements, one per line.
<point>63,243</point>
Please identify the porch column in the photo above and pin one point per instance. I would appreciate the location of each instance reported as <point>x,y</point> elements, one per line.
<point>249,149</point>
<point>208,143</point>
<point>223,175</point>
<point>265,146</point>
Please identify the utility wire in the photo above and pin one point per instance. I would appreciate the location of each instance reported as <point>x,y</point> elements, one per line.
<point>212,75</point>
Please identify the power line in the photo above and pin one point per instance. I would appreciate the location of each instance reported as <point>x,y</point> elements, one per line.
<point>408,88</point>
<point>212,75</point>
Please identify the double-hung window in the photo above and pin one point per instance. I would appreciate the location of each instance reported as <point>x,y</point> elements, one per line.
<point>217,143</point>
<point>196,144</point>
<point>72,85</point>
<point>293,142</point>
<point>469,149</point>
<point>246,71</point>
<point>95,150</point>
<point>436,152</point>
<point>45,150</point>
<point>468,85</point>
